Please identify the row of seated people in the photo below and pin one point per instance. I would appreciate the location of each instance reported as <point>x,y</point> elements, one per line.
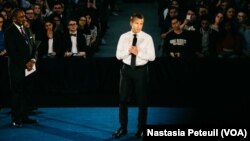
<point>91,16</point>
<point>79,40</point>
<point>218,29</point>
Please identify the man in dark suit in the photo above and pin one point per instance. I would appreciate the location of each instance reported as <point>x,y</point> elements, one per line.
<point>75,42</point>
<point>22,56</point>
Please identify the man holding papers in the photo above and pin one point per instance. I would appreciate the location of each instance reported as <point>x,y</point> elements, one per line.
<point>22,57</point>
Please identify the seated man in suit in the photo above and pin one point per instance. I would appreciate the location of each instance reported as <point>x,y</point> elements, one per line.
<point>75,43</point>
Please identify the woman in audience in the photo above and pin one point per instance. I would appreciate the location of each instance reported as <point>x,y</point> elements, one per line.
<point>82,27</point>
<point>51,44</point>
<point>217,21</point>
<point>93,32</point>
<point>230,15</point>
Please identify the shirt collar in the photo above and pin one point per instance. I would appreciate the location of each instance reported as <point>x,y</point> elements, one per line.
<point>132,33</point>
<point>18,26</point>
<point>72,32</point>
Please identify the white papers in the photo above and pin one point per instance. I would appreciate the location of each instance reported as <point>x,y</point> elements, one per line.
<point>27,73</point>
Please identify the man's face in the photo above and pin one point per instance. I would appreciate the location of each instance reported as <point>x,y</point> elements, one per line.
<point>30,14</point>
<point>136,25</point>
<point>192,15</point>
<point>19,18</point>
<point>175,24</point>
<point>58,9</point>
<point>72,26</point>
<point>204,24</point>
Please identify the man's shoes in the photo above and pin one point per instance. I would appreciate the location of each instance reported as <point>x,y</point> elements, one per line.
<point>29,121</point>
<point>16,123</point>
<point>138,134</point>
<point>19,123</point>
<point>120,132</point>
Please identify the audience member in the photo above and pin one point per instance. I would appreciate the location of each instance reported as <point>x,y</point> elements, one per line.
<point>74,41</point>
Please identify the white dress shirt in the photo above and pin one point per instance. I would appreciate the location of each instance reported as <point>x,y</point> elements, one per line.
<point>19,28</point>
<point>74,43</point>
<point>50,44</point>
<point>145,45</point>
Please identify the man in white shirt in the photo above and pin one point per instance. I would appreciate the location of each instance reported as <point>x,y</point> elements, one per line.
<point>135,48</point>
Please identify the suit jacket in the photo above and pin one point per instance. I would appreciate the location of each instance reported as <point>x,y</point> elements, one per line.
<point>57,45</point>
<point>80,41</point>
<point>20,51</point>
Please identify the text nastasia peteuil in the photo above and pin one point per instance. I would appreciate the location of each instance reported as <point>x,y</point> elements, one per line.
<point>152,132</point>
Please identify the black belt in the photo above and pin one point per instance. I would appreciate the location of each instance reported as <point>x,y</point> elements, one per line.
<point>136,67</point>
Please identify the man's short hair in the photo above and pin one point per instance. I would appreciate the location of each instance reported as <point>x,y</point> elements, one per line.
<point>72,19</point>
<point>136,15</point>
<point>178,18</point>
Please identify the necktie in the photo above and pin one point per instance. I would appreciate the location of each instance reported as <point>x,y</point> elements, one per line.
<point>133,57</point>
<point>25,36</point>
<point>23,33</point>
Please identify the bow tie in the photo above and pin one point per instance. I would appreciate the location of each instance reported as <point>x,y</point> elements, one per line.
<point>73,35</point>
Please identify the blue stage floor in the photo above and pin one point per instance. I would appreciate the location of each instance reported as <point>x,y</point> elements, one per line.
<point>83,123</point>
